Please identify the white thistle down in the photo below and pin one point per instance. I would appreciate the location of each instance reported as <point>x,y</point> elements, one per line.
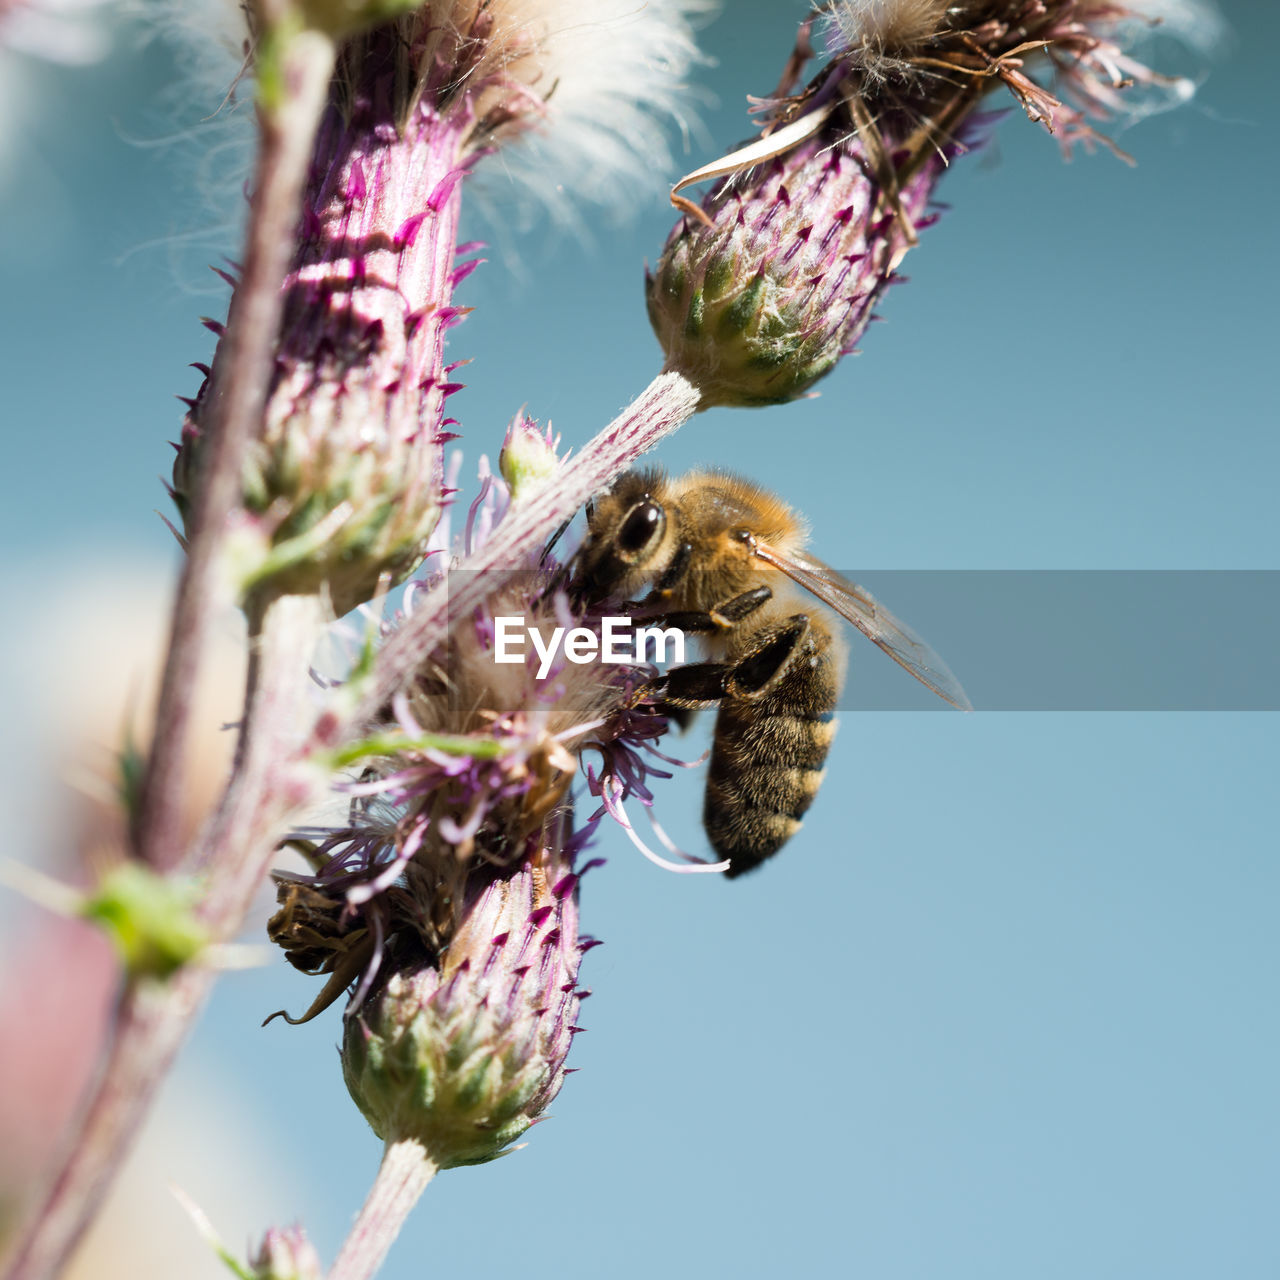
<point>1197,23</point>
<point>894,23</point>
<point>604,84</point>
<point>878,35</point>
<point>618,68</point>
<point>871,28</point>
<point>881,39</point>
<point>74,32</point>
<point>36,35</point>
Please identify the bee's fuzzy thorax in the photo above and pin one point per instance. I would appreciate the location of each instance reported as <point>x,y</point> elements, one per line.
<point>724,495</point>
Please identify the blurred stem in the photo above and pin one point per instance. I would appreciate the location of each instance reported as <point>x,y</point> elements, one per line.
<point>242,375</point>
<point>154,1018</point>
<point>150,1026</point>
<point>402,1177</point>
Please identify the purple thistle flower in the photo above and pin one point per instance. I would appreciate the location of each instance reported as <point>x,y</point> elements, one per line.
<point>343,484</point>
<point>456,893</point>
<point>448,904</point>
<point>470,773</point>
<point>763,288</point>
<point>463,1054</point>
<point>469,769</point>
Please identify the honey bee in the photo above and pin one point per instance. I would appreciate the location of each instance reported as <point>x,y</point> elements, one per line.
<point>725,560</point>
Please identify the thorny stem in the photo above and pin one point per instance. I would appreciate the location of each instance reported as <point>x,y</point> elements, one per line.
<point>402,1177</point>
<point>153,1020</point>
<point>245,362</point>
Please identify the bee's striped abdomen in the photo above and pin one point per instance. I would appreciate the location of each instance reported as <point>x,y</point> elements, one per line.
<point>767,758</point>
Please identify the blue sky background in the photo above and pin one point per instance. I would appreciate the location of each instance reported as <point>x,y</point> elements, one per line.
<point>1006,1008</point>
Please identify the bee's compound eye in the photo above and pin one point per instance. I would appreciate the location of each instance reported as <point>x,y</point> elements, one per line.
<point>642,526</point>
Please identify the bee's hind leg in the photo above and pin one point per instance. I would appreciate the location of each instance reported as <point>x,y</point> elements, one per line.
<point>687,688</point>
<point>699,684</point>
<point>759,670</point>
<point>702,684</point>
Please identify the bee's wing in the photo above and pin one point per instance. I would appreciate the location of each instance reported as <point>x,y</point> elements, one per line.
<point>866,613</point>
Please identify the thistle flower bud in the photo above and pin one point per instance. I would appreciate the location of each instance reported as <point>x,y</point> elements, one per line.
<point>759,292</point>
<point>528,458</point>
<point>286,1254</point>
<point>450,898</point>
<point>756,307</point>
<point>462,1058</point>
<point>343,483</point>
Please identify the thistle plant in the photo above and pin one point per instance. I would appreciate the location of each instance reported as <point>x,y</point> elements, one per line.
<point>285,1253</point>
<point>342,485</point>
<point>312,477</point>
<point>764,286</point>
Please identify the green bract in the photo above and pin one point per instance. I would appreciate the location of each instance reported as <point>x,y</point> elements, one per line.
<point>463,1057</point>
<point>149,918</point>
<point>758,305</point>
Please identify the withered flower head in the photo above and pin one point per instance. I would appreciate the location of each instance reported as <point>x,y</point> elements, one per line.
<point>763,288</point>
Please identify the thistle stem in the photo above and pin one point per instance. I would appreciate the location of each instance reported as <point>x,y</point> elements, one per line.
<point>402,1177</point>
<point>244,365</point>
<point>153,1018</point>
<point>150,1026</point>
<point>237,844</point>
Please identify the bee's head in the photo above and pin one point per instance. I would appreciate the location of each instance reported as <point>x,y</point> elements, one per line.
<point>627,534</point>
